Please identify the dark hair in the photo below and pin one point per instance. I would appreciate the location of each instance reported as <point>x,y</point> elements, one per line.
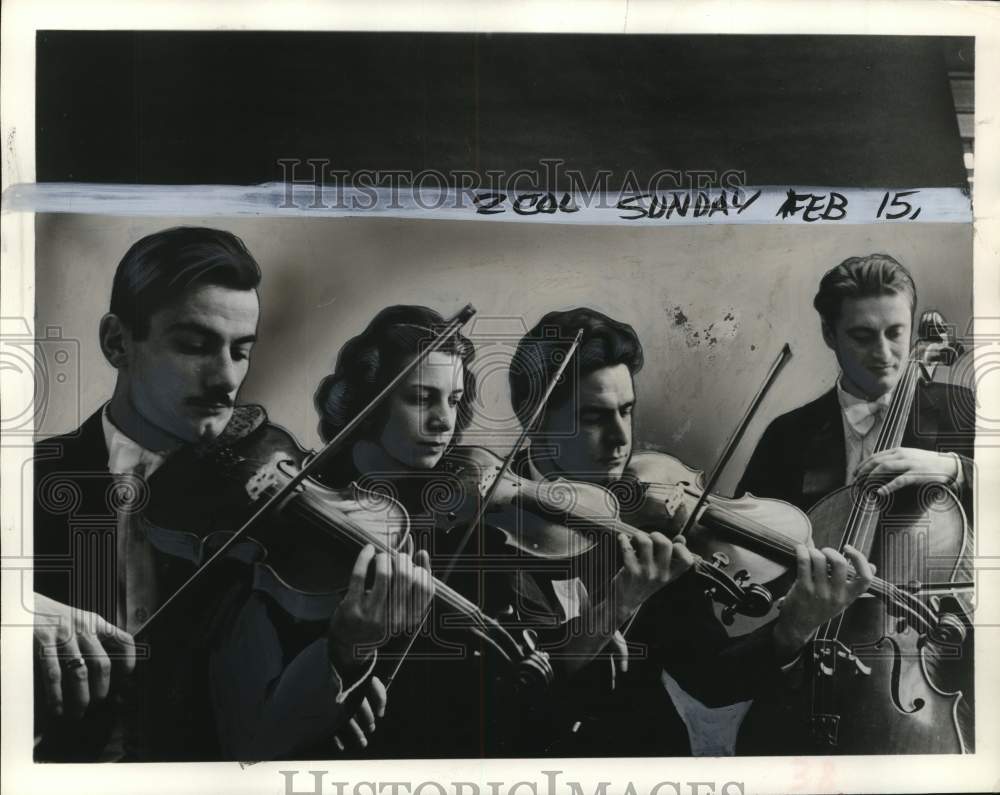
<point>162,266</point>
<point>605,343</point>
<point>860,277</point>
<point>369,361</point>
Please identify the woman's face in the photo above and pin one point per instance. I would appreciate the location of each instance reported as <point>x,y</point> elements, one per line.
<point>422,412</point>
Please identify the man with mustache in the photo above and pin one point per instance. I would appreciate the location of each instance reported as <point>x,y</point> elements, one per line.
<point>218,684</point>
<point>585,433</point>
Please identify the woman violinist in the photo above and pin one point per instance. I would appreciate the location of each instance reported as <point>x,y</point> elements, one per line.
<point>406,448</point>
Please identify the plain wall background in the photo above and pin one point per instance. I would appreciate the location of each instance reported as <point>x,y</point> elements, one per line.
<point>712,306</point>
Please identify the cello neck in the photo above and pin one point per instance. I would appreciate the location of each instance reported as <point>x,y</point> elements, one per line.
<point>891,434</point>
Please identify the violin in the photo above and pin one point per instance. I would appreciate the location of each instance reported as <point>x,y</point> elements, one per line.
<point>752,539</point>
<point>306,551</point>
<point>556,519</point>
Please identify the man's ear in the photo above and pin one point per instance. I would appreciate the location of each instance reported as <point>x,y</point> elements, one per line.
<point>828,336</point>
<point>115,339</point>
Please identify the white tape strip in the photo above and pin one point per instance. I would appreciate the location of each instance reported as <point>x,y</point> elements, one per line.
<point>768,205</point>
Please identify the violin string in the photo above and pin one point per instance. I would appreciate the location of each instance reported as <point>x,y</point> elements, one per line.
<point>770,540</point>
<point>360,535</point>
<point>890,591</point>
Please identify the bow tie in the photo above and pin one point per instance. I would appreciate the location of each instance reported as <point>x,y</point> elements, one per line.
<point>862,415</point>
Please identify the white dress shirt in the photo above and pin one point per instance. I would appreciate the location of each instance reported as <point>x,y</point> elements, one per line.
<point>863,420</point>
<point>264,707</point>
<point>135,572</point>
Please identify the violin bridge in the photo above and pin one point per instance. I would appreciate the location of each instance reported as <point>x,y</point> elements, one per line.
<point>261,481</point>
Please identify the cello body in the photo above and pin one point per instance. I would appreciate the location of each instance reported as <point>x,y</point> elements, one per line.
<point>877,685</point>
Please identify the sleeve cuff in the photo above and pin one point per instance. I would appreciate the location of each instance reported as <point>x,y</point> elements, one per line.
<point>344,692</point>
<point>959,480</point>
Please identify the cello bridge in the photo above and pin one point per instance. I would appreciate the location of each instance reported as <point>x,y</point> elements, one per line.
<point>827,652</point>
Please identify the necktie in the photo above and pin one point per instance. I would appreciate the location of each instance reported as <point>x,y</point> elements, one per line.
<point>863,416</point>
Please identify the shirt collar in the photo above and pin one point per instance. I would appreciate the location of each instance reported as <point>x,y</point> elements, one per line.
<point>125,456</point>
<point>860,413</point>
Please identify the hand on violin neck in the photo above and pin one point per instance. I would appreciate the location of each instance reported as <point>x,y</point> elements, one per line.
<point>909,466</point>
<point>823,589</point>
<point>387,595</point>
<point>649,561</point>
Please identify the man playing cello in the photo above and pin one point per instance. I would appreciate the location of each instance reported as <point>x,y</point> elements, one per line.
<point>866,307</point>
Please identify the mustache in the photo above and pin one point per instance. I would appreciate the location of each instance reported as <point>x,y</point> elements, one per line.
<point>213,399</point>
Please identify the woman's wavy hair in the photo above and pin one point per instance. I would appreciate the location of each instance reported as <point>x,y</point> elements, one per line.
<point>369,361</point>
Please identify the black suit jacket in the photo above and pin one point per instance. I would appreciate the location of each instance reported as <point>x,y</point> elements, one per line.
<point>675,630</point>
<point>802,456</point>
<point>165,705</point>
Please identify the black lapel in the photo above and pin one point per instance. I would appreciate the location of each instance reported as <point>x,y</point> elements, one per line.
<point>824,450</point>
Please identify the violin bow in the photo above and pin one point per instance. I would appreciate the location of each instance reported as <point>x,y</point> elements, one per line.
<point>528,427</point>
<point>488,497</point>
<point>734,440</point>
<point>737,436</point>
<point>450,329</point>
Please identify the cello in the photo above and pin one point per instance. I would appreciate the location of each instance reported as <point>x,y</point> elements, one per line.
<point>873,676</point>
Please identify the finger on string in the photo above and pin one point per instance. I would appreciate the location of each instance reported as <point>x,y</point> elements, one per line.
<point>820,580</point>
<point>359,574</point>
<point>629,558</point>
<point>662,551</point>
<point>378,594</point>
<point>864,571</point>
<point>685,555</point>
<point>838,570</point>
<point>803,565</point>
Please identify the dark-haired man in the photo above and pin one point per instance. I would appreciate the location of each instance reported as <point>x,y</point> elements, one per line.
<point>866,307</point>
<point>585,433</point>
<point>180,330</point>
